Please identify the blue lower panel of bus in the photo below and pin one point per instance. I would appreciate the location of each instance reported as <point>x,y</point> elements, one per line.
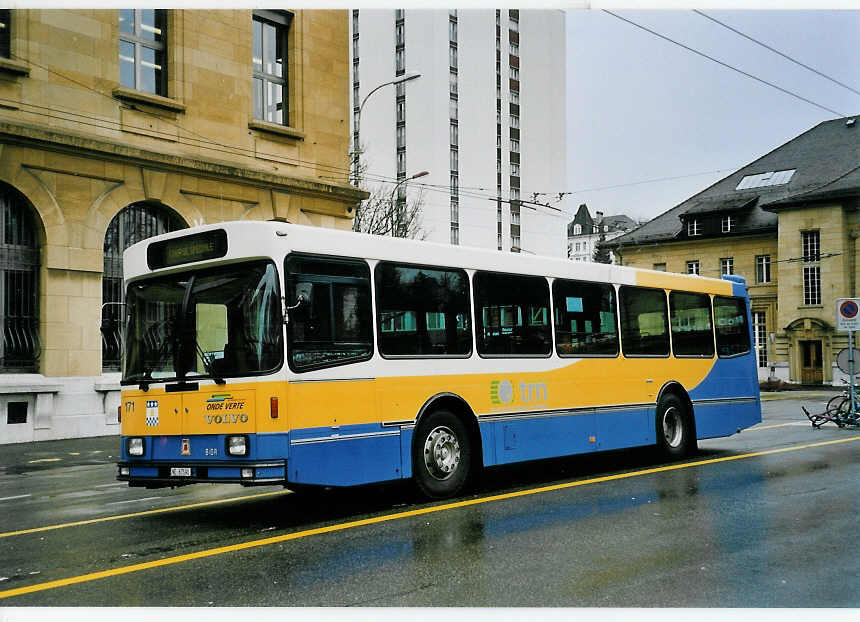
<point>345,456</point>
<point>532,437</point>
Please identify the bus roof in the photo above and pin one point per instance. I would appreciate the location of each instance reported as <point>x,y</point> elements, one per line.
<point>260,239</point>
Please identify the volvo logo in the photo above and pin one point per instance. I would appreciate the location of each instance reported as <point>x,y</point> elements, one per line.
<point>228,418</point>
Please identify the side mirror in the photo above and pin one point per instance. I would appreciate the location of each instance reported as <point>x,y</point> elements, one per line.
<point>304,294</point>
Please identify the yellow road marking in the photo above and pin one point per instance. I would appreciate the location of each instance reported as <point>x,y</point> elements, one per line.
<point>169,561</point>
<point>794,396</point>
<point>174,508</point>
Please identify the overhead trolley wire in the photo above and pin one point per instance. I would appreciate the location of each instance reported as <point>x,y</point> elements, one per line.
<point>726,65</point>
<point>775,51</point>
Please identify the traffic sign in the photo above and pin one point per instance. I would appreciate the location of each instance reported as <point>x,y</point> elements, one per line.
<point>848,314</point>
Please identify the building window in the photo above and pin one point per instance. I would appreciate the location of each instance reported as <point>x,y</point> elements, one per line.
<point>762,269</point>
<point>694,227</point>
<point>515,194</point>
<point>455,210</point>
<point>577,229</point>
<point>515,97</point>
<point>354,72</point>
<point>759,319</point>
<point>452,30</point>
<point>355,21</point>
<point>810,241</point>
<point>771,178</point>
<point>515,121</point>
<point>727,265</point>
<point>452,81</point>
<point>693,267</point>
<point>5,33</point>
<point>515,49</point>
<point>399,33</point>
<point>812,285</point>
<point>19,284</point>
<point>454,134</point>
<point>453,108</point>
<point>660,267</point>
<point>355,46</point>
<point>142,56</point>
<point>811,246</point>
<point>400,60</point>
<point>401,136</point>
<point>515,73</point>
<point>729,223</point>
<point>455,162</point>
<point>401,161</point>
<point>515,146</point>
<point>131,225</point>
<point>452,56</point>
<point>401,111</point>
<point>271,102</point>
<point>455,183</point>
<point>455,233</point>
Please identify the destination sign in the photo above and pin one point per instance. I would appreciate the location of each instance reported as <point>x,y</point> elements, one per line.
<point>187,249</point>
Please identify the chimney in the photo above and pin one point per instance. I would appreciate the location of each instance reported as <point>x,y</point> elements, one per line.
<point>598,217</point>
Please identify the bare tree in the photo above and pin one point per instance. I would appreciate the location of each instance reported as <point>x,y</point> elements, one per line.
<point>381,215</point>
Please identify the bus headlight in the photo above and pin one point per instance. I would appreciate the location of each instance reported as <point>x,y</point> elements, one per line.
<point>135,446</point>
<point>237,445</point>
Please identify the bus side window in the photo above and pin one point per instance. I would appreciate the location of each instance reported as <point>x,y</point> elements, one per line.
<point>585,318</point>
<point>335,326</point>
<point>423,311</point>
<point>692,329</point>
<point>512,314</point>
<point>644,321</point>
<point>730,319</point>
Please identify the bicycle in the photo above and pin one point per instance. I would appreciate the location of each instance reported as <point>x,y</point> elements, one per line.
<point>838,411</point>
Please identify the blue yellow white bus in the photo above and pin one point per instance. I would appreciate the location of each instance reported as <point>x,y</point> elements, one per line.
<point>271,353</point>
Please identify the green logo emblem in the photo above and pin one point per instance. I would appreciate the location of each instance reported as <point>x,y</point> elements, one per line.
<point>501,392</point>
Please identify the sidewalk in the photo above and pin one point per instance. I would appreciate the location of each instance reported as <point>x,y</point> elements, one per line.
<point>68,452</point>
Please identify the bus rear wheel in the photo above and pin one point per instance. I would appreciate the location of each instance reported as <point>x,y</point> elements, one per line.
<point>441,455</point>
<point>675,435</point>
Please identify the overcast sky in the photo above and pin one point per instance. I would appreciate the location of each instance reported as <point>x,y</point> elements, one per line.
<point>641,108</point>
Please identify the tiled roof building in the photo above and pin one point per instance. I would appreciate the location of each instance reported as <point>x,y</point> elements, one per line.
<point>788,223</point>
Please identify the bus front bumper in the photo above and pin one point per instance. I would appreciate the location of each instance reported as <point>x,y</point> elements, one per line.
<point>160,474</point>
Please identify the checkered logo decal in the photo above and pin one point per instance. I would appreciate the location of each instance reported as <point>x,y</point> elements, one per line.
<point>152,412</point>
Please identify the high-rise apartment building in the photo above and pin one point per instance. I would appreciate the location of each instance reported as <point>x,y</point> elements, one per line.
<point>486,118</point>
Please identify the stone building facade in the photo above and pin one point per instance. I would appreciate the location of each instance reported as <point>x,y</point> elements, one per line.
<point>119,124</point>
<point>788,223</point>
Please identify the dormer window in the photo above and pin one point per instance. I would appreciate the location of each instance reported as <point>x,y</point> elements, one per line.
<point>577,229</point>
<point>694,227</point>
<point>729,223</point>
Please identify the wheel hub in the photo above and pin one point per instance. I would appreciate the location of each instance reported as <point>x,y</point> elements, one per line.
<point>441,453</point>
<point>673,427</point>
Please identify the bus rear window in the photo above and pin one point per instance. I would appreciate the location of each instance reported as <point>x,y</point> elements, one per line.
<point>330,319</point>
<point>730,317</point>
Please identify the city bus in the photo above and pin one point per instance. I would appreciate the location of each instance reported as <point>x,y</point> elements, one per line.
<point>272,353</point>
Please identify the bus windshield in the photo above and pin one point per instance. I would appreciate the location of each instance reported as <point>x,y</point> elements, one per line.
<point>219,322</point>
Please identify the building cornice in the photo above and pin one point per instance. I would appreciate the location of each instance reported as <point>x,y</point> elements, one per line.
<point>72,143</point>
<point>616,247</point>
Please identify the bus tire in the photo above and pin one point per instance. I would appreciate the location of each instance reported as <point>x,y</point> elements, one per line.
<point>675,435</point>
<point>441,455</point>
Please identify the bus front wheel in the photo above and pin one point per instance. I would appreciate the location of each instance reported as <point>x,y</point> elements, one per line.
<point>675,435</point>
<point>441,455</point>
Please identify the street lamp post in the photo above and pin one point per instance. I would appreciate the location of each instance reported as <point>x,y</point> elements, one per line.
<point>396,215</point>
<point>356,147</point>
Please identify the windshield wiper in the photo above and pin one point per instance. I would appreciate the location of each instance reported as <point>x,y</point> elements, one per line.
<point>208,364</point>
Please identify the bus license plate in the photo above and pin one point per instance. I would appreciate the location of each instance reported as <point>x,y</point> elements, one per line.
<point>180,471</point>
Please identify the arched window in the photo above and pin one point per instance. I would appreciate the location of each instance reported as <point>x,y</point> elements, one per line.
<point>19,284</point>
<point>132,224</point>
<point>577,229</point>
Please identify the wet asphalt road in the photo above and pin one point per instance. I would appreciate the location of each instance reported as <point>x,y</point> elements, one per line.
<point>620,530</point>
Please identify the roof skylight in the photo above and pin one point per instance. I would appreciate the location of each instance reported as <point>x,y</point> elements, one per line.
<point>773,178</point>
